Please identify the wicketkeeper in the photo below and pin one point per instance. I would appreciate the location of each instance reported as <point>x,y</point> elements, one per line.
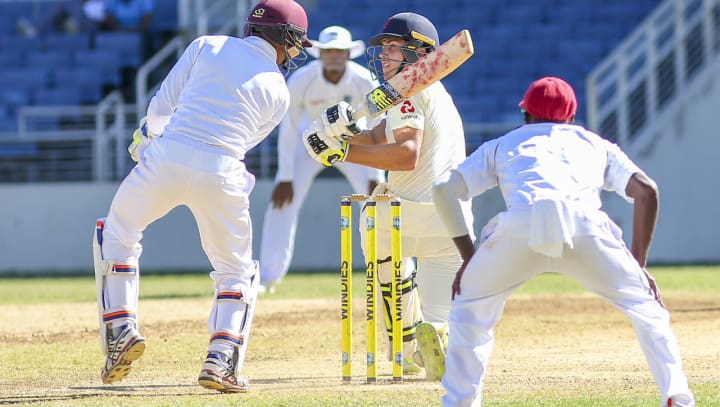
<point>223,97</point>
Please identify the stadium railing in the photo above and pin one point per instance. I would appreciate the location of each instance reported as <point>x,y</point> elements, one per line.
<point>649,73</point>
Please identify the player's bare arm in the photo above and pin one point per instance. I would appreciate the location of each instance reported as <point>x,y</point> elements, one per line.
<point>376,135</point>
<point>645,193</point>
<point>282,194</point>
<point>399,156</point>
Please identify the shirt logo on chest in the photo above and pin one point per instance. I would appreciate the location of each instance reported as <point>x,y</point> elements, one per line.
<point>407,107</point>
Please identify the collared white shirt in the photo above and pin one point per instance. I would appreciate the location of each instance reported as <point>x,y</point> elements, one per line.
<point>310,94</point>
<point>548,161</point>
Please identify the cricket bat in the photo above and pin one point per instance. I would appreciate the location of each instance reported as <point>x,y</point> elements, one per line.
<point>415,77</point>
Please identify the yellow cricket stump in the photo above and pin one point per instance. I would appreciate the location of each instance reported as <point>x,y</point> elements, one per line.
<point>396,258</point>
<point>370,285</point>
<point>370,289</point>
<point>346,287</point>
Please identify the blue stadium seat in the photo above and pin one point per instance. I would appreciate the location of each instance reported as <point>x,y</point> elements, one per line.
<point>72,42</point>
<point>8,24</point>
<point>7,124</point>
<point>17,9</point>
<point>29,77</point>
<point>12,60</point>
<point>64,95</point>
<point>165,16</point>
<point>19,44</point>
<point>58,57</point>
<point>87,80</point>
<point>128,44</point>
<point>12,98</point>
<point>106,61</point>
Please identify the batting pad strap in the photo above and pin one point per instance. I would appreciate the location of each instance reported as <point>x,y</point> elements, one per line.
<point>407,286</point>
<point>227,337</point>
<point>113,315</point>
<point>229,296</point>
<point>123,269</point>
<point>408,333</point>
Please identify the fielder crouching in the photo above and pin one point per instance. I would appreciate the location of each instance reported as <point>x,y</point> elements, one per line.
<point>550,172</point>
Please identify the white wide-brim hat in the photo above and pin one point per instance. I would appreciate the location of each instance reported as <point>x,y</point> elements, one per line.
<point>336,37</point>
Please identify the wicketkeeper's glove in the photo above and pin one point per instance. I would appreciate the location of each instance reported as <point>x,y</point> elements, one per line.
<point>141,138</point>
<point>324,148</point>
<point>338,121</point>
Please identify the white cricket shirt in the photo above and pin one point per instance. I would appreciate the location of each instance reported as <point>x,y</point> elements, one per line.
<point>548,161</point>
<point>443,143</point>
<point>310,94</point>
<point>224,92</point>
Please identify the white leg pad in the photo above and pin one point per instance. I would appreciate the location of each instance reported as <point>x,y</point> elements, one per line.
<point>111,314</point>
<point>231,318</point>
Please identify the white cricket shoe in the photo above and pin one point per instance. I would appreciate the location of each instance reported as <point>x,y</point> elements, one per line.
<point>122,351</point>
<point>681,400</point>
<point>431,351</point>
<point>218,373</point>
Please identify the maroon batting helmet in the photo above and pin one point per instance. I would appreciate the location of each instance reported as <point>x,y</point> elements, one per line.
<point>282,22</point>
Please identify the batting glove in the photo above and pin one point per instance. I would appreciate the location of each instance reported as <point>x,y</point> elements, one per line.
<point>338,121</point>
<point>141,138</point>
<point>324,148</point>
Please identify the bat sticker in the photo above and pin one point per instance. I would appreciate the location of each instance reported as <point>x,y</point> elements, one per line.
<point>382,97</point>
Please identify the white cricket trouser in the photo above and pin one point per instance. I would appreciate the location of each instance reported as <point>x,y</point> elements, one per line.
<point>279,226</point>
<point>213,185</point>
<point>502,263</point>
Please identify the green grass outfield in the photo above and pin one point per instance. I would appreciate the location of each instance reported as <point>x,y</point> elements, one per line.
<point>678,283</point>
<point>39,290</point>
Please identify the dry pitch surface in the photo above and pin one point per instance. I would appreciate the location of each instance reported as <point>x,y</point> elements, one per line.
<point>570,345</point>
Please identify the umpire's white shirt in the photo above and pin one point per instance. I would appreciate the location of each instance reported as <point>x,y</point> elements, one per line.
<point>310,94</point>
<point>195,98</point>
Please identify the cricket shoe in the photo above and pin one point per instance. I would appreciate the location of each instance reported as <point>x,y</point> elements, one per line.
<point>122,351</point>
<point>410,367</point>
<point>431,351</point>
<point>218,373</point>
<point>681,400</point>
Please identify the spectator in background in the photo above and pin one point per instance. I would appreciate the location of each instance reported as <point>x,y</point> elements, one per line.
<point>129,15</point>
<point>69,17</point>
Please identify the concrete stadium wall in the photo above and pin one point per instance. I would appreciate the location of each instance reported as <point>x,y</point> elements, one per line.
<point>48,228</point>
<point>684,159</point>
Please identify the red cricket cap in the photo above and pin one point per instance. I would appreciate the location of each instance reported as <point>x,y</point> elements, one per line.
<point>550,98</point>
